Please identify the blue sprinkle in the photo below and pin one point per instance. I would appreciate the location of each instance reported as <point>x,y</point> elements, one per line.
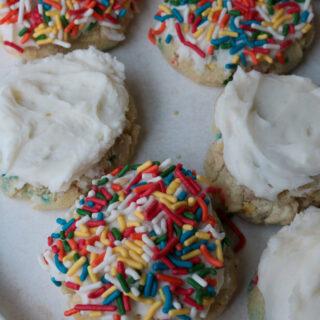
<point>100,216</point>
<point>159,266</point>
<point>219,135</point>
<point>259,43</point>
<point>45,5</point>
<point>163,18</point>
<point>231,66</point>
<point>55,235</point>
<point>105,3</point>
<point>168,299</point>
<point>84,272</point>
<point>194,246</point>
<point>177,14</point>
<point>220,40</point>
<point>154,287</point>
<point>81,202</point>
<point>237,48</point>
<point>162,244</point>
<point>178,253</point>
<point>59,265</point>
<point>148,285</point>
<point>202,8</point>
<point>304,16</point>
<point>202,21</point>
<point>243,60</point>
<point>104,280</point>
<point>57,283</point>
<point>249,22</point>
<point>112,297</point>
<point>61,221</point>
<point>169,38</point>
<point>199,214</point>
<point>212,291</point>
<point>187,235</point>
<point>68,224</point>
<point>180,263</point>
<point>168,179</point>
<point>182,196</point>
<point>122,13</point>
<point>211,247</point>
<point>152,233</point>
<point>90,204</point>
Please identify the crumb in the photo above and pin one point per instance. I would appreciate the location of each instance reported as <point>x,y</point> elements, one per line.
<point>175,112</point>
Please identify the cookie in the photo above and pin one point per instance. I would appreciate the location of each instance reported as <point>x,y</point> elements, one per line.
<point>66,119</point>
<point>144,244</point>
<point>266,158</point>
<point>36,29</point>
<point>207,40</point>
<point>287,281</point>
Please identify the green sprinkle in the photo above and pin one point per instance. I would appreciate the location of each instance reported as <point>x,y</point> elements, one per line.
<point>116,233</point>
<point>64,20</point>
<point>131,280</point>
<point>70,234</point>
<point>167,172</point>
<point>206,271</point>
<point>120,305</point>
<point>103,181</point>
<point>177,229</point>
<point>123,283</point>
<point>227,241</point>
<point>164,237</point>
<point>200,294</point>
<point>23,32</point>
<point>91,26</point>
<point>135,166</point>
<point>83,212</point>
<point>254,36</point>
<point>226,46</point>
<point>62,236</point>
<point>271,11</point>
<point>123,171</point>
<point>76,257</point>
<point>98,10</point>
<point>234,13</point>
<point>115,198</point>
<point>285,30</point>
<point>197,267</point>
<point>66,246</point>
<point>156,162</point>
<point>193,283</point>
<point>100,196</point>
<point>141,288</point>
<point>296,18</point>
<point>189,215</point>
<point>42,37</point>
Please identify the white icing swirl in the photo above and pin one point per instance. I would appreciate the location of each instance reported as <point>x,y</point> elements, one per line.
<point>59,116</point>
<point>270,129</point>
<point>289,277</point>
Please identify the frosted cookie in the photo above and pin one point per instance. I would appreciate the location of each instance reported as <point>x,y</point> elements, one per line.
<point>287,285</point>
<point>207,40</point>
<point>144,244</point>
<point>65,120</point>
<point>267,163</point>
<point>36,29</point>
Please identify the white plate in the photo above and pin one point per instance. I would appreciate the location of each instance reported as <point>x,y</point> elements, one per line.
<point>26,291</point>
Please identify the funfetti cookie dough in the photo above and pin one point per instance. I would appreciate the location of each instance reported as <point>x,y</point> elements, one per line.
<point>65,119</point>
<point>36,29</point>
<point>145,243</point>
<point>206,40</point>
<point>266,161</point>
<point>287,284</point>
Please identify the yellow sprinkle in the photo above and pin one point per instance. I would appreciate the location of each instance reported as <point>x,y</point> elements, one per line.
<point>278,14</point>
<point>219,3</point>
<point>122,251</point>
<point>137,258</point>
<point>186,28</point>
<point>191,201</point>
<point>206,12</point>
<point>187,227</point>
<point>144,166</point>
<point>103,237</point>
<point>113,271</point>
<point>266,24</point>
<point>108,292</point>
<point>76,266</point>
<point>69,4</point>
<point>163,297</point>
<point>165,9</point>
<point>140,243</point>
<point>41,32</point>
<point>262,36</point>
<point>153,238</point>
<point>264,57</point>
<point>207,301</point>
<point>121,195</point>
<point>191,254</point>
<point>139,215</point>
<point>193,9</point>
<point>76,216</point>
<point>179,312</point>
<point>40,27</point>
<point>95,314</point>
<point>210,31</point>
<point>169,197</point>
<point>67,16</point>
<point>282,20</point>
<point>69,256</point>
<point>179,204</point>
<point>142,280</point>
<point>236,59</point>
<point>203,179</point>
<point>81,26</point>
<point>65,37</point>
<point>92,257</point>
<point>1,6</point>
<point>80,234</point>
<point>228,33</point>
<point>93,230</point>
<point>52,13</point>
<point>173,186</point>
<point>77,280</point>
<point>152,310</point>
<point>93,276</point>
<point>122,223</point>
<point>110,6</point>
<point>133,247</point>
<point>219,250</point>
<point>140,299</point>
<point>306,28</point>
<point>131,263</point>
<point>83,228</point>
<point>202,235</point>
<point>133,223</point>
<point>198,33</point>
<point>190,241</point>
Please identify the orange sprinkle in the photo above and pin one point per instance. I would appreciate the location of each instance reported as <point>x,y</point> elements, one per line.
<point>160,30</point>
<point>70,312</point>
<point>90,5</point>
<point>115,171</point>
<point>212,221</point>
<point>141,188</point>
<point>137,236</point>
<point>252,55</point>
<point>216,16</point>
<point>173,280</point>
<point>8,16</point>
<point>84,251</point>
<point>151,36</point>
<point>98,259</point>
<point>97,16</point>
<point>116,317</point>
<point>204,208</point>
<point>74,31</point>
<point>61,250</point>
<point>25,38</point>
<point>224,20</point>
<point>280,57</point>
<point>92,240</point>
<point>179,246</point>
<point>73,245</point>
<point>69,27</point>
<point>151,169</point>
<point>211,49</point>
<point>116,187</point>
<point>53,4</point>
<point>215,262</point>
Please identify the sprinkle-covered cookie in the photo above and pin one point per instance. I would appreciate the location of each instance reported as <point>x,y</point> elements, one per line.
<point>145,243</point>
<point>208,39</point>
<point>37,29</point>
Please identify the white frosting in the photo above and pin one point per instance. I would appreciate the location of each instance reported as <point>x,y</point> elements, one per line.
<point>59,116</point>
<point>270,129</point>
<point>289,276</point>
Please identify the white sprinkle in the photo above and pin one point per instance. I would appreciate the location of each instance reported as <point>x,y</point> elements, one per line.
<point>147,250</point>
<point>94,249</point>
<point>98,244</point>
<point>271,46</point>
<point>148,241</point>
<point>141,200</point>
<point>135,291</point>
<point>176,304</point>
<point>157,229</point>
<point>165,164</point>
<point>21,11</point>
<point>99,230</point>
<point>141,229</point>
<point>310,17</point>
<point>130,272</point>
<point>203,283</point>
<point>164,226</point>
<point>146,258</point>
<point>83,220</point>
<point>204,312</point>
<point>307,5</point>
<point>91,286</point>
<point>91,193</point>
<point>193,312</point>
<point>88,13</point>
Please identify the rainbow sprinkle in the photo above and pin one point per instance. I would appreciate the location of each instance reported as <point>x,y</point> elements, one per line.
<point>246,32</point>
<point>144,234</point>
<point>23,23</point>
